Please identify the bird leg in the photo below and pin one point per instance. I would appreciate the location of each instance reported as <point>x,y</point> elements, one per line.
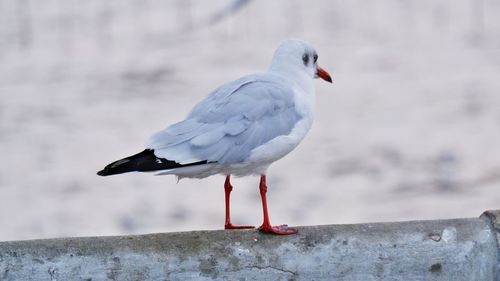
<point>228,188</point>
<point>266,225</point>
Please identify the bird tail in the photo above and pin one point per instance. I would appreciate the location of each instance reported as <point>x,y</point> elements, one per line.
<point>145,161</point>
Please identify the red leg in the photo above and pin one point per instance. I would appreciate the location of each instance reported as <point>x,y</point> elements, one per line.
<point>228,188</point>
<point>266,225</point>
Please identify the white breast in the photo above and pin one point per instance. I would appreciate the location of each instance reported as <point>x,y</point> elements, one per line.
<point>280,146</point>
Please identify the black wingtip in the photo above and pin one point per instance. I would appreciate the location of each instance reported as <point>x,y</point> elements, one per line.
<point>103,173</point>
<point>145,161</point>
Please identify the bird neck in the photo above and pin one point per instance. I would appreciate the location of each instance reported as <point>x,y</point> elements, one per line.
<point>296,76</point>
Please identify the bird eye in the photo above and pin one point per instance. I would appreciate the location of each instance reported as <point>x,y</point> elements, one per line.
<point>305,59</point>
<point>315,58</point>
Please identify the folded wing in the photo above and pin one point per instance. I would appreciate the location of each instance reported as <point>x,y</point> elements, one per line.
<point>232,121</point>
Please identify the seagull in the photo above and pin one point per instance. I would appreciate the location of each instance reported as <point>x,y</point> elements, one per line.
<point>239,129</point>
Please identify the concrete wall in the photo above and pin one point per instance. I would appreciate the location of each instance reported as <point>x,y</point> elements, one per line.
<point>458,249</point>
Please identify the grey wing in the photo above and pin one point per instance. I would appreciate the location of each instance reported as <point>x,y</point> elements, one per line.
<point>230,123</point>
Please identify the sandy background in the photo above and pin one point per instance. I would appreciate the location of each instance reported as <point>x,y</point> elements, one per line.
<point>409,130</point>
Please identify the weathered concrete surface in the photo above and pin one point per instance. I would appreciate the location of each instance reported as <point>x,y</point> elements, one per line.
<point>493,217</point>
<point>460,249</point>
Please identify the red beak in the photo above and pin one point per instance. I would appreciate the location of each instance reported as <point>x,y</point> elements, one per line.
<point>321,73</point>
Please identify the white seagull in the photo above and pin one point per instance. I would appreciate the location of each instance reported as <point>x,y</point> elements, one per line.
<point>240,128</point>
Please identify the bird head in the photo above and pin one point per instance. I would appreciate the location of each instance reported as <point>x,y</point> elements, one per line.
<point>297,56</point>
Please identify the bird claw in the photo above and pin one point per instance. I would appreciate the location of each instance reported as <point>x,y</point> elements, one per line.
<point>230,226</point>
<point>278,230</point>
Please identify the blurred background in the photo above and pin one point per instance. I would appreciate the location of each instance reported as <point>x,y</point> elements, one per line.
<point>409,129</point>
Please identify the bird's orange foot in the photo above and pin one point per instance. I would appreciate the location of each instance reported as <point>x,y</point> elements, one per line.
<point>278,230</point>
<point>230,226</point>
